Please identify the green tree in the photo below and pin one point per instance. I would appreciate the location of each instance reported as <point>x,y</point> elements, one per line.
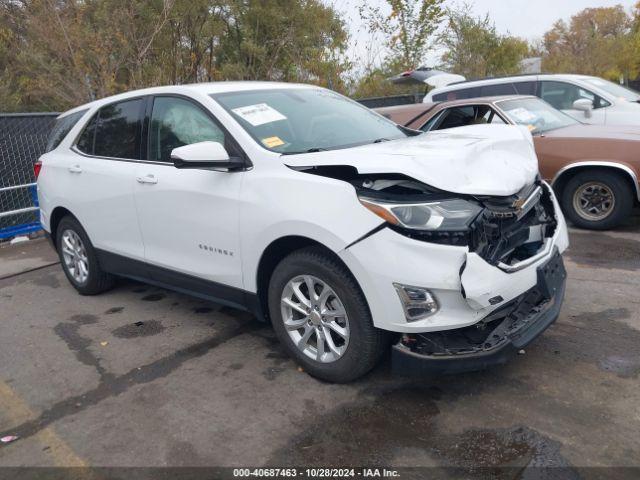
<point>596,41</point>
<point>406,35</point>
<point>286,40</point>
<point>475,49</point>
<point>409,29</point>
<point>55,54</point>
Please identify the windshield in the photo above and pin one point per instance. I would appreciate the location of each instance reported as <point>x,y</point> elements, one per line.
<point>298,120</point>
<point>614,89</point>
<point>536,115</point>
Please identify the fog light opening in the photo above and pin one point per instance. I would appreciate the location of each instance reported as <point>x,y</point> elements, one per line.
<point>417,302</point>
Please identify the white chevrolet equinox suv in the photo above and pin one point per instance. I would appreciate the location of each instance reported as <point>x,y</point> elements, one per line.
<point>348,233</point>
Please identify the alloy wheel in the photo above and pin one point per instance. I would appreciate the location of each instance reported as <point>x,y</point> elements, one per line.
<point>75,258</point>
<point>315,318</point>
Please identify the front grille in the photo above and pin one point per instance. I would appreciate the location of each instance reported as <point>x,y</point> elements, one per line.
<point>508,234</point>
<point>502,232</point>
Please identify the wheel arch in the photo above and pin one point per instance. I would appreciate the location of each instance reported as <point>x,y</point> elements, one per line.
<point>569,171</point>
<point>274,253</point>
<point>57,214</point>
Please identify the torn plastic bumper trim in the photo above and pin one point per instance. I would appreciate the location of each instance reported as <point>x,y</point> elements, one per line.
<point>511,328</point>
<point>544,252</point>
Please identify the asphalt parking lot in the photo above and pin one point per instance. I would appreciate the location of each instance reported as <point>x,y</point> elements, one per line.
<point>140,376</point>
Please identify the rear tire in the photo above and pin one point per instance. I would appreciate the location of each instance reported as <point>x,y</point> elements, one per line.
<point>354,346</point>
<point>597,200</point>
<point>79,260</point>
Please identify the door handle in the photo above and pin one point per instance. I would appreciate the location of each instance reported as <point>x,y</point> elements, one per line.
<point>75,169</point>
<point>147,179</point>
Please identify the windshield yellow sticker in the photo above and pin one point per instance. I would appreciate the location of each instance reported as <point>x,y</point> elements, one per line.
<point>271,142</point>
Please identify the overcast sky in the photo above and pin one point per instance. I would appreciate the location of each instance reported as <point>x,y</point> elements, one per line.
<point>525,18</point>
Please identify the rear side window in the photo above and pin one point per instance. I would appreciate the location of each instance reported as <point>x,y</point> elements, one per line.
<point>525,88</point>
<point>61,128</point>
<point>85,141</point>
<point>118,130</point>
<point>497,89</point>
<point>463,93</point>
<point>115,131</point>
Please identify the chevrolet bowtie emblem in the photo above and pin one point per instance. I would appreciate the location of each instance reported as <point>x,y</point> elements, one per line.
<point>518,203</point>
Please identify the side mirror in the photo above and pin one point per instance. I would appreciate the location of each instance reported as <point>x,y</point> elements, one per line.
<point>584,105</point>
<point>204,155</point>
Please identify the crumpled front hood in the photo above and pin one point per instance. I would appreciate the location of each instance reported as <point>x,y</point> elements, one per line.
<point>477,160</point>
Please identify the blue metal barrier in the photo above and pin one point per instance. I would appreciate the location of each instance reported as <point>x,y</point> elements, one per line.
<point>23,138</point>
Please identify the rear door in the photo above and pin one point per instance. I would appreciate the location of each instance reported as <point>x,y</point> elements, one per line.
<point>99,176</point>
<point>189,218</point>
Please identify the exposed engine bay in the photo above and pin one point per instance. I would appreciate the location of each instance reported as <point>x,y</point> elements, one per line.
<point>507,229</point>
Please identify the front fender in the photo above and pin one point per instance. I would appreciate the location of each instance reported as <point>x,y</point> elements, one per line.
<point>321,209</point>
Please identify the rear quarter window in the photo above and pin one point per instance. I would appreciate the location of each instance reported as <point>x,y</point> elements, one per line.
<point>85,141</point>
<point>61,129</point>
<point>114,131</point>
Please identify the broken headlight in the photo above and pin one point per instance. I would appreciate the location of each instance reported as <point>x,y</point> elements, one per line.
<point>442,215</point>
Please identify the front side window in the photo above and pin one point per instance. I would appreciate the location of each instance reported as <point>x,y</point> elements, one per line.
<point>535,114</point>
<point>561,95</point>
<point>176,122</point>
<point>432,122</point>
<point>299,120</point>
<point>61,128</point>
<point>492,118</point>
<point>118,130</point>
<point>462,117</point>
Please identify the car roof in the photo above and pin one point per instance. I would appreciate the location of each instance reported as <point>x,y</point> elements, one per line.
<point>508,78</point>
<point>207,88</point>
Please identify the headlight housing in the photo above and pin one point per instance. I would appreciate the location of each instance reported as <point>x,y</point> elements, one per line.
<point>435,216</point>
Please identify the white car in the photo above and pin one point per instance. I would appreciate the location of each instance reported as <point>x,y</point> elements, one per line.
<point>588,99</point>
<point>297,204</point>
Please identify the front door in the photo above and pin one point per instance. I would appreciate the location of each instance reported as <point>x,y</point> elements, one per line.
<point>188,218</point>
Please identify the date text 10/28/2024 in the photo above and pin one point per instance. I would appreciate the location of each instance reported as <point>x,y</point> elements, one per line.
<point>316,472</point>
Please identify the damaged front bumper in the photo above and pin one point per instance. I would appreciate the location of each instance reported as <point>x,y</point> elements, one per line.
<point>493,340</point>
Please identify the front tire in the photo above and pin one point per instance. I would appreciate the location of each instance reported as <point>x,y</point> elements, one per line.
<point>597,200</point>
<point>321,317</point>
<point>78,259</point>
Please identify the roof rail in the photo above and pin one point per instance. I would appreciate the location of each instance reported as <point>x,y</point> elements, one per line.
<point>497,77</point>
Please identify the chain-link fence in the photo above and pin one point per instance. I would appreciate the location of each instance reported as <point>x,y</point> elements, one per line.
<point>23,137</point>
